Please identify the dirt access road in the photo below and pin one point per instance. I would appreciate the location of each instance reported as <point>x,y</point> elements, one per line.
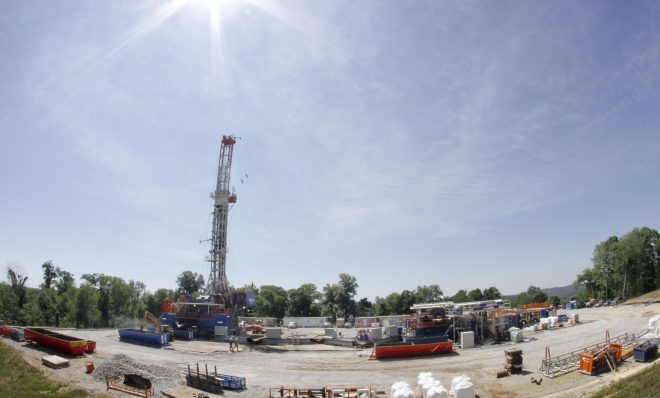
<point>323,365</point>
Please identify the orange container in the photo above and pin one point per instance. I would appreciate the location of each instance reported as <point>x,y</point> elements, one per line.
<point>90,367</point>
<point>586,363</point>
<point>616,349</point>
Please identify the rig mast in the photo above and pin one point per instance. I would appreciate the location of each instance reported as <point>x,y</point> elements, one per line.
<point>218,287</point>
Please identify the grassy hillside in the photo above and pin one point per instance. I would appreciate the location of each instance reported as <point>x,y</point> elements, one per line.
<point>19,379</point>
<point>639,385</point>
<point>653,296</point>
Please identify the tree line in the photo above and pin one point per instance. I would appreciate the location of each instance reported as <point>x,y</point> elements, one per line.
<point>624,266</point>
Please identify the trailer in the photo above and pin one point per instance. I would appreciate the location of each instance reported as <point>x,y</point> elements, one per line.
<point>73,346</point>
<point>212,381</point>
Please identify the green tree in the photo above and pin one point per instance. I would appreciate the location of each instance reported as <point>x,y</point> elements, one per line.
<point>428,294</point>
<point>66,308</point>
<point>49,273</point>
<point>461,296</point>
<point>536,295</point>
<point>65,280</point>
<point>8,304</point>
<point>17,281</point>
<point>47,307</point>
<point>330,302</point>
<point>348,285</point>
<point>364,307</point>
<point>627,265</point>
<point>189,283</point>
<point>86,311</point>
<point>92,279</point>
<point>337,299</point>
<point>272,301</point>
<point>154,301</point>
<point>476,295</point>
<point>555,300</point>
<point>379,307</point>
<point>136,305</point>
<point>113,299</point>
<point>396,303</point>
<point>523,298</point>
<point>303,301</point>
<point>492,293</point>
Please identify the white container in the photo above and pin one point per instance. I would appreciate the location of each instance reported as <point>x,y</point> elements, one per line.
<point>273,333</point>
<point>376,333</point>
<point>391,331</point>
<point>517,336</point>
<point>464,389</point>
<point>221,331</point>
<point>467,339</point>
<point>455,381</point>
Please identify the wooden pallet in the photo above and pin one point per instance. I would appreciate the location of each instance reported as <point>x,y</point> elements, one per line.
<point>55,361</point>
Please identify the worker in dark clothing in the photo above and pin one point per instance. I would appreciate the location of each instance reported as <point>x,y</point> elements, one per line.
<point>233,342</point>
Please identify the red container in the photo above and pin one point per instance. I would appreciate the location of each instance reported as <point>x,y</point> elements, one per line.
<point>402,350</point>
<point>73,346</point>
<point>91,347</point>
<point>5,331</point>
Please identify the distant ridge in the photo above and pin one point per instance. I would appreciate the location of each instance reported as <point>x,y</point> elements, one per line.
<point>560,291</point>
<point>563,291</point>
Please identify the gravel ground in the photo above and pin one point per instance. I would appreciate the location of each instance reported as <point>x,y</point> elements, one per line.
<point>323,365</point>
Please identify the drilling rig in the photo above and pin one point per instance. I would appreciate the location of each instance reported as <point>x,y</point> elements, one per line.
<point>218,287</point>
<point>211,314</point>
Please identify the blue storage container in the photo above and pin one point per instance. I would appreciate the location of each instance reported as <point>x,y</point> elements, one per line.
<point>167,319</point>
<point>17,335</point>
<point>646,351</point>
<point>183,334</point>
<point>143,337</point>
<point>232,382</point>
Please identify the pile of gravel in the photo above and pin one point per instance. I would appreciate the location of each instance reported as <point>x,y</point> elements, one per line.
<point>119,364</point>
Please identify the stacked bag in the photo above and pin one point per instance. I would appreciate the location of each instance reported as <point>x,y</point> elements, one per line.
<point>430,387</point>
<point>654,326</point>
<point>402,389</point>
<point>462,387</point>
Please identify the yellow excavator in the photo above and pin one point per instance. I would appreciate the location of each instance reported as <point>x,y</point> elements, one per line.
<point>155,321</point>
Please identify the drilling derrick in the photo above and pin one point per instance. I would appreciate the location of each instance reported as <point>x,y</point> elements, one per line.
<point>218,287</point>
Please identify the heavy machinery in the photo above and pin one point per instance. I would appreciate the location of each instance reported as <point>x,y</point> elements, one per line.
<point>212,313</point>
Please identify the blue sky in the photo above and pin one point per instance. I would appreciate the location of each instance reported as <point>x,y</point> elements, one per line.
<point>467,144</point>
